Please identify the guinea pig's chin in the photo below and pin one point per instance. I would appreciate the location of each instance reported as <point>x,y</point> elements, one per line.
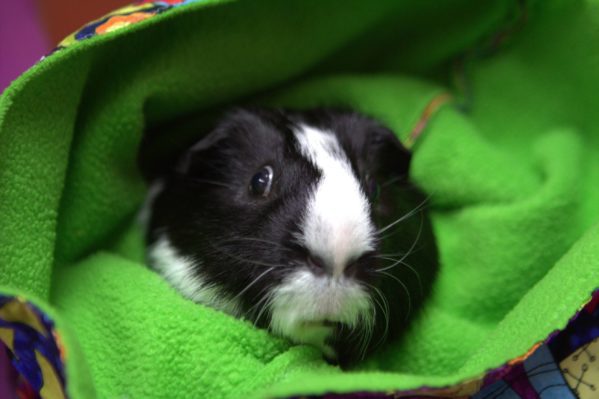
<point>305,307</point>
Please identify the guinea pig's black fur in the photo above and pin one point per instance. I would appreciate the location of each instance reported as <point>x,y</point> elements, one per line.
<point>303,222</point>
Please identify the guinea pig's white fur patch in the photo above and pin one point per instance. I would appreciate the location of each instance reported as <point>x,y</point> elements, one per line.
<point>336,225</point>
<point>179,272</point>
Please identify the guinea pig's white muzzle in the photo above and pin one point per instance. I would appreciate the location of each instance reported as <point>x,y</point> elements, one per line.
<point>305,307</point>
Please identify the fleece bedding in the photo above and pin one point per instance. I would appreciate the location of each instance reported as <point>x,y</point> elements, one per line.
<point>497,100</point>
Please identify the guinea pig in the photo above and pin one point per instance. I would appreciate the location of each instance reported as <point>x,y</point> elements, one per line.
<point>302,222</point>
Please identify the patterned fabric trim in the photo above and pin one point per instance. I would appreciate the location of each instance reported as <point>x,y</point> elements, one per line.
<point>33,353</point>
<point>120,18</point>
<point>429,111</point>
<point>564,366</point>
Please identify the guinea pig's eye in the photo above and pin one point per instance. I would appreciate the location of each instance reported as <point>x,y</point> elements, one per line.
<point>262,181</point>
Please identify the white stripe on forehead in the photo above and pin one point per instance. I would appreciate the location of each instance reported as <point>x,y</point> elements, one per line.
<point>336,225</point>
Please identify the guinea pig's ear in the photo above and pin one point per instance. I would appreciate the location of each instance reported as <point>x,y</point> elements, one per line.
<point>202,153</point>
<point>391,157</point>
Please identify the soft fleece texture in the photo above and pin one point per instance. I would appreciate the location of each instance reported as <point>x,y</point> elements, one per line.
<point>513,179</point>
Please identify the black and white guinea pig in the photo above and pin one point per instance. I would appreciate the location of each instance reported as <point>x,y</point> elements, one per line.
<point>303,222</point>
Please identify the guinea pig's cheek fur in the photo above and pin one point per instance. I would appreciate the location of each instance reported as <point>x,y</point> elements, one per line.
<point>302,304</point>
<point>178,270</point>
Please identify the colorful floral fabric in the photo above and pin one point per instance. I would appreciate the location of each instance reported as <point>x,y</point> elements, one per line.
<point>29,338</point>
<point>121,18</point>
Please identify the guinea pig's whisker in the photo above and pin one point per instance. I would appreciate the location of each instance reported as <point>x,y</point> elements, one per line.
<point>386,311</point>
<point>412,247</point>
<point>255,307</point>
<point>411,213</point>
<point>396,262</point>
<point>214,183</point>
<point>365,335</point>
<point>407,265</point>
<point>205,181</point>
<point>384,308</point>
<point>263,304</point>
<point>387,258</point>
<point>369,331</point>
<point>405,289</point>
<point>250,285</point>
<point>392,181</point>
<point>391,255</point>
<point>267,307</point>
<point>363,331</point>
<point>252,308</point>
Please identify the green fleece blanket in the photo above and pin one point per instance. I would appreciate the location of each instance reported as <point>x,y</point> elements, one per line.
<point>498,101</point>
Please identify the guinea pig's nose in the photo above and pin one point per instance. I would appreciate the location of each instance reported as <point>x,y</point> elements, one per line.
<point>352,269</point>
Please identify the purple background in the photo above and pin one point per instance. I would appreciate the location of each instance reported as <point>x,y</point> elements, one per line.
<point>22,39</point>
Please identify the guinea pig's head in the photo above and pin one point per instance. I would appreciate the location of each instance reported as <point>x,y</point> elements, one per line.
<point>274,216</point>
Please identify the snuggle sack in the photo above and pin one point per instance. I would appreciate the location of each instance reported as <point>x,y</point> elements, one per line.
<point>497,101</point>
